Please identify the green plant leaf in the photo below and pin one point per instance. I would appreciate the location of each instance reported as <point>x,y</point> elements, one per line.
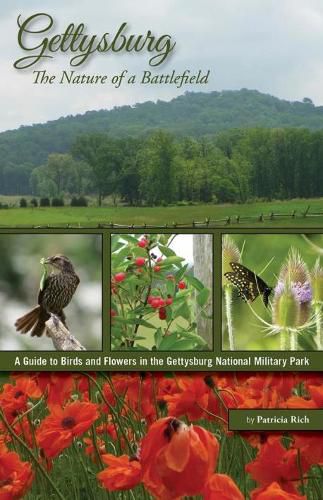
<point>170,261</point>
<point>202,297</point>
<point>158,336</point>
<point>168,252</point>
<point>129,238</point>
<point>180,273</point>
<point>134,321</point>
<point>167,342</point>
<point>183,310</point>
<point>194,282</point>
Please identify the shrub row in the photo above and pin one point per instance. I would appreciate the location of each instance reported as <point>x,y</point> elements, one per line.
<point>54,202</point>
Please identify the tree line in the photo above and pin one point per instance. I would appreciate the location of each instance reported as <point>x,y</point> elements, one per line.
<point>161,168</point>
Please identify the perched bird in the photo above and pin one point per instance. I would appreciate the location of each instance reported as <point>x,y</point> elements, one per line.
<point>56,292</point>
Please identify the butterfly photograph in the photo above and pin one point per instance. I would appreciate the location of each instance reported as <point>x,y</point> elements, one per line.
<point>270,292</point>
<point>249,285</point>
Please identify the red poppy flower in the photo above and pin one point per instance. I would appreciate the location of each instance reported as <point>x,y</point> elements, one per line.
<point>14,397</point>
<point>222,487</point>
<point>177,459</point>
<point>15,476</point>
<point>274,492</point>
<point>92,449</point>
<point>122,473</point>
<point>276,464</point>
<point>57,386</point>
<point>310,445</point>
<point>191,399</point>
<point>58,430</point>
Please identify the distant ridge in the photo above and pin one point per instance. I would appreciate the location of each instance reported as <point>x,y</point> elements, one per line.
<point>192,114</point>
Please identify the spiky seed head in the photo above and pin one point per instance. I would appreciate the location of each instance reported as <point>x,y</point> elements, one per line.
<point>317,282</point>
<point>230,253</point>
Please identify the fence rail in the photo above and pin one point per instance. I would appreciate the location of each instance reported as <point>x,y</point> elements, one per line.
<point>233,220</point>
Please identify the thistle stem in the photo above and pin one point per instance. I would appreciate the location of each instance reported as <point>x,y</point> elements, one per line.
<point>293,341</point>
<point>283,340</point>
<point>228,312</point>
<point>319,330</point>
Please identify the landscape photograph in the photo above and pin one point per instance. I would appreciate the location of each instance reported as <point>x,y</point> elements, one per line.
<point>241,146</point>
<point>223,157</point>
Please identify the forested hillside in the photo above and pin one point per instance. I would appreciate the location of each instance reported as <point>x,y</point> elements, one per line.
<point>218,146</point>
<point>193,114</point>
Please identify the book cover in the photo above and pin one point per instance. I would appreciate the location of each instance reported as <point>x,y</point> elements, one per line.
<point>161,276</point>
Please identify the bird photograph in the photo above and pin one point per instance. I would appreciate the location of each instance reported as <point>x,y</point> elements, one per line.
<point>54,277</point>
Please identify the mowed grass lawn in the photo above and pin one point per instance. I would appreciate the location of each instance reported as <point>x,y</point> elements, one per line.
<point>91,216</point>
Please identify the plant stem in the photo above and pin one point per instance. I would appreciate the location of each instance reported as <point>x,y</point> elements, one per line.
<point>319,330</point>
<point>38,465</point>
<point>293,341</point>
<point>283,340</point>
<point>228,312</point>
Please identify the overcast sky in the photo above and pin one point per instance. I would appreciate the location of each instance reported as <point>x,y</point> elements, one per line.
<point>275,46</point>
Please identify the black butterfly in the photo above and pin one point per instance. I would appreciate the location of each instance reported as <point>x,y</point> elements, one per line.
<point>250,286</point>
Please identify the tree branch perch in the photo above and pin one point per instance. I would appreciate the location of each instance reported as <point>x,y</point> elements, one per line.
<point>62,339</point>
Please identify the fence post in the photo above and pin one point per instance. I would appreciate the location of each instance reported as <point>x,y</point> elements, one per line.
<point>203,270</point>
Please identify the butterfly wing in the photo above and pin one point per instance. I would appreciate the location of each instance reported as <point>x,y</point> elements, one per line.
<point>249,285</point>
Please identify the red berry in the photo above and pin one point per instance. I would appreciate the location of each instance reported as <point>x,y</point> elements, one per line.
<point>120,277</point>
<point>157,269</point>
<point>162,313</point>
<point>140,261</point>
<point>155,303</point>
<point>169,301</point>
<point>170,277</point>
<point>113,313</point>
<point>182,285</point>
<point>143,243</point>
<point>162,303</point>
<point>159,259</point>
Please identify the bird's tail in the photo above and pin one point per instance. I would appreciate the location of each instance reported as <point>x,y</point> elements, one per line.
<point>34,320</point>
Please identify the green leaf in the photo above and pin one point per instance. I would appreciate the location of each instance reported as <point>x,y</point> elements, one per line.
<point>164,238</point>
<point>119,257</point>
<point>183,310</point>
<point>140,347</point>
<point>43,278</point>
<point>158,336</point>
<point>194,282</point>
<point>133,321</point>
<point>202,297</point>
<point>116,243</point>
<point>170,287</point>
<point>168,252</point>
<point>167,342</point>
<point>170,261</point>
<point>184,345</point>
<point>180,273</point>
<point>129,238</point>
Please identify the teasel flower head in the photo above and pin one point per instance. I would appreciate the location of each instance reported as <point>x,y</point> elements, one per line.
<point>317,282</point>
<point>295,269</point>
<point>230,253</point>
<point>293,294</point>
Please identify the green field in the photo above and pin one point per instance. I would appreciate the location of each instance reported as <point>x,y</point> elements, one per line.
<point>91,216</point>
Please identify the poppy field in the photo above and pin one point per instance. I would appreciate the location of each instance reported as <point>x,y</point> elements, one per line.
<point>162,436</point>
